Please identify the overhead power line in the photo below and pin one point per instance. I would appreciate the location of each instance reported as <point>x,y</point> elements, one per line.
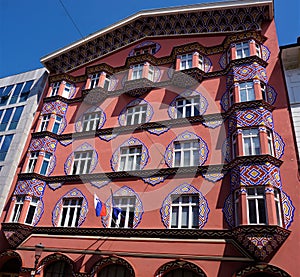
<point>68,14</point>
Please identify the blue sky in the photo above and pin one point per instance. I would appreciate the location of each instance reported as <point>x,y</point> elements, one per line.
<point>32,29</point>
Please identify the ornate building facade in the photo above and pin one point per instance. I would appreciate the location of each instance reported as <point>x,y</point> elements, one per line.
<point>163,147</point>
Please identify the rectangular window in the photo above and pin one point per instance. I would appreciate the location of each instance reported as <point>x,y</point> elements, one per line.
<point>55,88</point>
<point>186,153</point>
<point>124,218</point>
<point>137,71</point>
<point>236,208</point>
<point>151,73</point>
<point>184,211</point>
<point>251,142</point>
<point>130,158</point>
<point>246,90</point>
<point>258,50</point>
<point>16,93</point>
<point>44,122</point>
<point>107,81</point>
<point>136,115</point>
<point>188,107</point>
<point>278,207</point>
<point>56,125</point>
<point>270,142</point>
<point>256,205</point>
<point>17,208</point>
<point>16,117</point>
<point>264,92</point>
<point>32,161</point>
<point>91,121</point>
<point>6,119</point>
<point>82,162</point>
<point>201,63</point>
<point>70,212</point>
<point>31,210</point>
<point>242,50</point>
<point>186,61</point>
<point>67,90</point>
<point>5,146</point>
<point>45,163</point>
<point>25,91</point>
<point>94,80</point>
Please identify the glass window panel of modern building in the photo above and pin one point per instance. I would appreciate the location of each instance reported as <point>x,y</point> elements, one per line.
<point>5,142</point>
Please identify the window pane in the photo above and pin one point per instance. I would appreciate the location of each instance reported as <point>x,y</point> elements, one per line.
<point>27,86</point>
<point>185,217</point>
<point>195,216</point>
<point>5,146</point>
<point>30,214</point>
<point>174,222</point>
<point>252,211</point>
<point>16,117</point>
<point>262,211</point>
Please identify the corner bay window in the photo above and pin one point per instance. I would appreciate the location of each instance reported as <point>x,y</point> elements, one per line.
<point>94,80</point>
<point>17,208</point>
<point>44,122</point>
<point>242,50</point>
<point>82,162</point>
<point>251,142</point>
<point>32,161</point>
<point>130,158</point>
<point>137,71</point>
<point>246,91</point>
<point>186,153</point>
<point>184,211</point>
<point>31,210</point>
<point>125,215</point>
<point>55,88</point>
<point>70,212</point>
<point>188,107</point>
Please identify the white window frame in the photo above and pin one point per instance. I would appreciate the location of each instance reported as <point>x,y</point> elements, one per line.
<point>44,122</point>
<point>183,150</point>
<point>33,203</point>
<point>257,197</point>
<point>55,89</point>
<point>257,49</point>
<point>278,207</point>
<point>242,50</point>
<point>127,205</point>
<point>32,161</point>
<point>90,121</point>
<point>187,103</point>
<point>94,80</point>
<point>68,206</point>
<point>270,142</point>
<point>136,115</point>
<point>58,121</point>
<point>67,90</point>
<point>247,88</point>
<point>178,206</point>
<point>82,159</point>
<point>186,61</point>
<point>19,203</point>
<point>251,137</point>
<point>130,158</point>
<point>137,71</point>
<point>46,159</point>
<point>263,88</point>
<point>107,82</point>
<point>201,62</point>
<point>151,72</point>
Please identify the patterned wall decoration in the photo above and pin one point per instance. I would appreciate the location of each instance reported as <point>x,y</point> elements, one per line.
<point>136,102</point>
<point>265,53</point>
<point>51,166</point>
<point>124,192</point>
<point>55,186</point>
<point>203,148</point>
<point>278,145</point>
<point>46,144</point>
<point>62,125</point>
<point>115,159</point>
<point>38,212</point>
<point>250,117</point>
<point>66,142</point>
<point>74,193</point>
<point>158,131</point>
<point>226,149</point>
<point>185,189</point>
<point>223,60</point>
<point>83,147</point>
<point>228,210</point>
<point>78,124</point>
<point>288,209</point>
<point>255,175</point>
<point>224,102</point>
<point>213,176</point>
<point>108,137</point>
<point>144,44</point>
<point>33,187</point>
<point>247,72</point>
<point>58,107</point>
<point>271,94</point>
<point>154,180</point>
<point>145,26</point>
<point>212,123</point>
<point>100,184</point>
<point>172,111</point>
<point>207,64</point>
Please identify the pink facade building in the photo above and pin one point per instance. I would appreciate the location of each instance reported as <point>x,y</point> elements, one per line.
<point>163,147</point>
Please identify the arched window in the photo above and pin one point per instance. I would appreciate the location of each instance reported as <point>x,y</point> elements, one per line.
<point>115,270</point>
<point>58,269</point>
<point>180,272</point>
<point>11,268</point>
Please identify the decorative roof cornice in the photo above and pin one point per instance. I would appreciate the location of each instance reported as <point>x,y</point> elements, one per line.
<point>212,18</point>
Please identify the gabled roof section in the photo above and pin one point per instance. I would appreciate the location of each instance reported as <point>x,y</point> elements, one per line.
<point>217,17</point>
